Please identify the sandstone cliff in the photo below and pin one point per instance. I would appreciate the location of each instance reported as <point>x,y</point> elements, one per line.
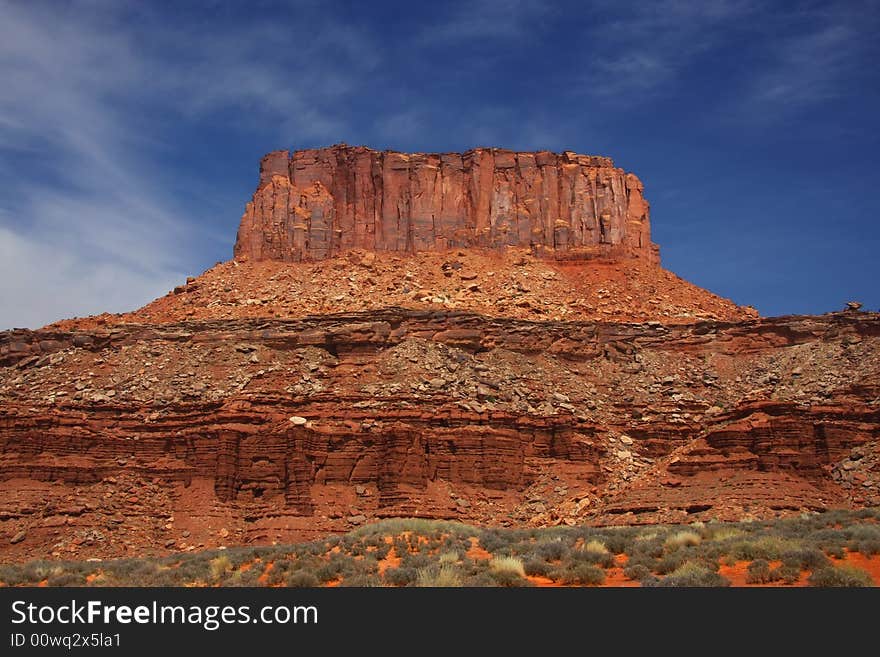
<point>167,436</point>
<point>566,378</point>
<point>316,204</point>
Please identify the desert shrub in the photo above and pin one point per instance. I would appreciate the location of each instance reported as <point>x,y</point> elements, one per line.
<point>865,533</point>
<point>550,550</point>
<point>722,533</point>
<point>508,578</point>
<point>381,550</point>
<point>37,571</point>
<point>362,580</point>
<point>220,566</point>
<point>671,562</point>
<point>416,561</point>
<point>12,575</point>
<point>642,560</point>
<point>620,541</point>
<point>301,579</point>
<point>758,572</point>
<point>356,549</point>
<point>249,577</point>
<point>868,547</point>
<point>190,571</point>
<point>763,547</point>
<point>806,558</point>
<point>132,572</point>
<point>401,576</point>
<point>507,565</point>
<point>317,549</point>
<point>278,573</point>
<point>445,576</point>
<point>537,567</point>
<point>651,546</point>
<point>693,574</point>
<point>481,579</point>
<point>494,540</point>
<point>447,558</point>
<point>330,571</point>
<point>682,539</point>
<point>580,573</point>
<point>636,572</point>
<point>844,575</point>
<point>727,560</point>
<point>836,551</point>
<point>66,578</point>
<point>787,573</point>
<point>592,552</point>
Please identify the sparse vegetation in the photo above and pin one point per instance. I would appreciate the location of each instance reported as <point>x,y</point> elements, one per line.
<point>785,573</point>
<point>438,553</point>
<point>507,564</point>
<point>636,572</point>
<point>220,566</point>
<point>683,539</point>
<point>445,576</point>
<point>758,572</point>
<point>692,573</point>
<point>843,575</point>
<point>581,573</point>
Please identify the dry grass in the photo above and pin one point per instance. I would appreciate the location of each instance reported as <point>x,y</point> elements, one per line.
<point>508,565</point>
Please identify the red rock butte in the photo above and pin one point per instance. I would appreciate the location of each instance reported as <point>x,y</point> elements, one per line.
<point>316,204</point>
<point>485,337</point>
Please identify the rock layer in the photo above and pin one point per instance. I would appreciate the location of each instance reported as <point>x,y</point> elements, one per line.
<point>280,429</point>
<point>316,204</point>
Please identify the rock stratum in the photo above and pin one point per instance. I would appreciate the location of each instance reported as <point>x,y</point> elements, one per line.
<point>290,393</point>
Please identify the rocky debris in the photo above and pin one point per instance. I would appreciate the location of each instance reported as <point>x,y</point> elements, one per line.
<point>538,289</point>
<point>853,306</point>
<point>859,473</point>
<point>316,204</point>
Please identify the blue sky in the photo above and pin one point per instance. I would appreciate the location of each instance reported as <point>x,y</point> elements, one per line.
<point>130,133</point>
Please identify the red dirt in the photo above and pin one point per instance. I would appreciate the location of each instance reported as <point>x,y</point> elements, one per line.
<point>391,560</point>
<point>264,577</point>
<point>475,551</point>
<point>614,576</point>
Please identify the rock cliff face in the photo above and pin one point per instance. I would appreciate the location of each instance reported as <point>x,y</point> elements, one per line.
<point>565,379</point>
<point>146,437</point>
<point>316,204</point>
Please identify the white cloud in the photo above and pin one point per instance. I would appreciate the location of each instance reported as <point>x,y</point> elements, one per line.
<point>789,58</point>
<point>41,282</point>
<point>89,223</point>
<point>806,68</point>
<point>640,51</point>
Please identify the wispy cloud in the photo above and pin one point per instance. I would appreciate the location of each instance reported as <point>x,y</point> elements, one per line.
<point>88,221</point>
<point>640,51</point>
<point>792,57</point>
<point>805,69</point>
<point>484,19</point>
